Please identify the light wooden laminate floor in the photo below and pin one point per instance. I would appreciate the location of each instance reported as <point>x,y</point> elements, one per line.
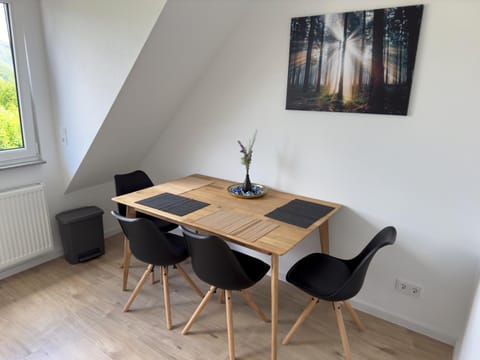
<point>63,311</point>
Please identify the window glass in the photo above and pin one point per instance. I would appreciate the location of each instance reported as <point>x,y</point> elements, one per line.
<point>18,140</point>
<point>10,125</point>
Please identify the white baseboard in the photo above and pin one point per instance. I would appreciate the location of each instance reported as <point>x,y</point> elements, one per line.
<point>404,322</point>
<point>55,253</point>
<point>398,320</point>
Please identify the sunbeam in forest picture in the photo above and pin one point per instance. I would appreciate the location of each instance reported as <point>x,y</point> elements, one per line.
<point>359,61</point>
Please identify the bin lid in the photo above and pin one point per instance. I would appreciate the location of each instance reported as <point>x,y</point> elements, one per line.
<point>79,214</point>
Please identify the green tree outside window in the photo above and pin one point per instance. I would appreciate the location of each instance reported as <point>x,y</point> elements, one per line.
<point>10,124</point>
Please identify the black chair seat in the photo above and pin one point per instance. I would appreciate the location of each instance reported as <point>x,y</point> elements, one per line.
<point>336,280</point>
<point>134,181</point>
<point>218,265</point>
<point>162,225</point>
<point>156,248</point>
<point>221,267</point>
<point>151,245</point>
<point>127,183</point>
<point>178,248</point>
<point>255,268</point>
<point>319,275</point>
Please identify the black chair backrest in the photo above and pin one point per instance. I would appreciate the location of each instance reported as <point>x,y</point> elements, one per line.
<point>147,243</point>
<point>359,264</point>
<point>130,182</point>
<point>215,263</point>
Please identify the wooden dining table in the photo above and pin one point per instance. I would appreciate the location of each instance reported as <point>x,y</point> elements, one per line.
<point>247,222</point>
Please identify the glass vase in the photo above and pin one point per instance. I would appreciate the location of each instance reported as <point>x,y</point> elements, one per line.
<point>247,185</point>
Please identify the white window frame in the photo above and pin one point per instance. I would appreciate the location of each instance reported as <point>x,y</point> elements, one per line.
<point>30,153</point>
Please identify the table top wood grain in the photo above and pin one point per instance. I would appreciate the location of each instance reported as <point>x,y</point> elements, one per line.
<point>241,221</point>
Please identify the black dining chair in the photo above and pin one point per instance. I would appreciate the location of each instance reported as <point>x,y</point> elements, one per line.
<point>156,248</point>
<point>226,269</point>
<point>336,280</point>
<point>127,183</point>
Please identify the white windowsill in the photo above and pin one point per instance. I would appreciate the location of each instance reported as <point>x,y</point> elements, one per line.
<point>21,164</point>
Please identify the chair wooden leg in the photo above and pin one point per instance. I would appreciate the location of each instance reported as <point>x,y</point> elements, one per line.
<point>153,276</point>
<point>189,280</point>
<point>125,242</point>
<point>199,309</point>
<point>166,297</point>
<point>300,320</point>
<point>126,262</point>
<point>354,315</point>
<point>138,287</point>
<point>231,343</point>
<point>341,328</point>
<point>221,296</point>
<point>253,305</point>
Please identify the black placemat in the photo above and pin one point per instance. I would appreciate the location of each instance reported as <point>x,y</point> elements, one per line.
<point>300,212</point>
<point>173,204</point>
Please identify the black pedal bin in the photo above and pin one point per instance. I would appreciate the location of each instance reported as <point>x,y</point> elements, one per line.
<point>81,231</point>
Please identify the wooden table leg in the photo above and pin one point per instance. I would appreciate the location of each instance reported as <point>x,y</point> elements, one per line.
<point>324,239</point>
<point>274,295</point>
<point>131,212</point>
<point>126,262</point>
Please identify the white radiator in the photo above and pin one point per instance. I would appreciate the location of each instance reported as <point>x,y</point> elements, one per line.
<point>25,230</point>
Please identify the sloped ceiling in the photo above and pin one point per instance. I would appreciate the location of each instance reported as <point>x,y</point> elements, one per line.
<point>91,48</point>
<point>184,40</point>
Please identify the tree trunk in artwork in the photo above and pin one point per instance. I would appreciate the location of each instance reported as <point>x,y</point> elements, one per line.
<point>377,90</point>
<point>414,17</point>
<point>297,72</point>
<point>399,64</point>
<point>327,82</point>
<point>355,64</point>
<point>291,76</point>
<point>386,62</point>
<point>293,52</point>
<point>342,62</point>
<point>308,62</point>
<point>336,75</point>
<point>362,51</point>
<point>320,56</point>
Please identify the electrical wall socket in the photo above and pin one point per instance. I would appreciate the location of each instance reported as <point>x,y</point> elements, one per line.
<point>408,288</point>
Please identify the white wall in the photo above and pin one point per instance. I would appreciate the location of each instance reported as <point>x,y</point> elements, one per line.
<point>92,45</point>
<point>49,173</point>
<point>419,173</point>
<point>182,43</point>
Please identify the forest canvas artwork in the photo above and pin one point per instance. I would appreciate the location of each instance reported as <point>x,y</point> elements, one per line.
<point>360,61</point>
